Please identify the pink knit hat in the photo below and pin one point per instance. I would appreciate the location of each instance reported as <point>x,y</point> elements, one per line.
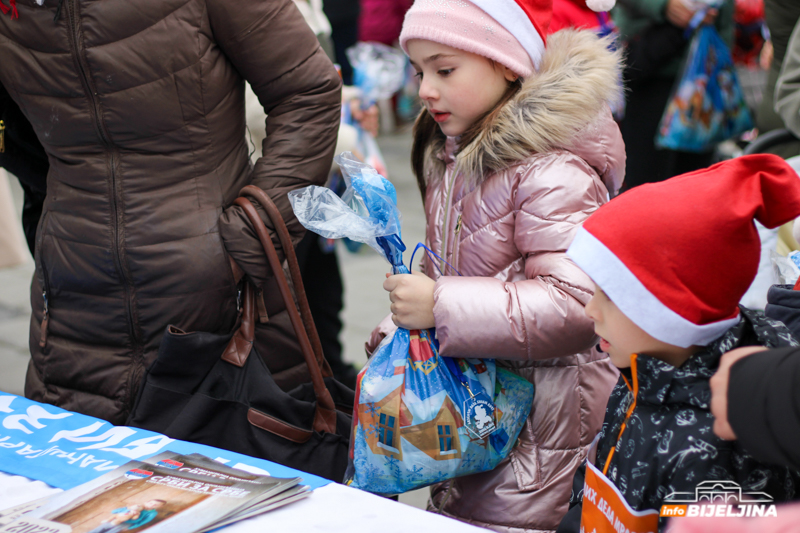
<point>511,32</point>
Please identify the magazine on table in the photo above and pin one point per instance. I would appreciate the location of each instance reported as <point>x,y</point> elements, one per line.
<point>167,493</point>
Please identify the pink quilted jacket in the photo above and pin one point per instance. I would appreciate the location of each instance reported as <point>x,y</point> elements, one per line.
<point>520,299</point>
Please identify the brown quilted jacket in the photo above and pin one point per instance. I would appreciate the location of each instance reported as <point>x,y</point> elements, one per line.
<point>140,107</point>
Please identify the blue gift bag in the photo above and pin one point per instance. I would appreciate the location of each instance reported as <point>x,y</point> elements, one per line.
<point>707,105</point>
<point>421,418</point>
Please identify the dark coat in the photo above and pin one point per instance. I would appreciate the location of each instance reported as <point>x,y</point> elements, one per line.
<point>668,444</point>
<point>139,105</point>
<point>783,305</point>
<point>764,405</point>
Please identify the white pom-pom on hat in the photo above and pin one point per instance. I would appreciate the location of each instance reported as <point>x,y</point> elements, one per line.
<point>600,5</point>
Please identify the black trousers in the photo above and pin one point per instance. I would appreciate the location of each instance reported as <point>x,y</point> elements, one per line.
<point>325,291</point>
<point>645,104</point>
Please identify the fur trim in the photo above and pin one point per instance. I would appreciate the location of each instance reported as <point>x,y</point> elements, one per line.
<point>579,75</point>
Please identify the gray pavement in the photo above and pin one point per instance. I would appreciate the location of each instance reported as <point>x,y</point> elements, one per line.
<point>366,303</point>
<point>15,313</point>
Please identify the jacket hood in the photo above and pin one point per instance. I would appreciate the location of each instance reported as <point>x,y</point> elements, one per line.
<point>661,383</point>
<point>562,106</point>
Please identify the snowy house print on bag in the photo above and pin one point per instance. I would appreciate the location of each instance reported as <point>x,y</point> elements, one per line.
<point>409,423</point>
<point>390,420</point>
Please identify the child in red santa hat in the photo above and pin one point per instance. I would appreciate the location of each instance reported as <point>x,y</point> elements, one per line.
<point>670,262</point>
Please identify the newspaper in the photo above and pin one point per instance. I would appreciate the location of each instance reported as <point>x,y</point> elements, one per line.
<point>168,493</point>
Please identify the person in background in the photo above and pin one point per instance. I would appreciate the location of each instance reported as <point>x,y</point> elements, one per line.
<point>381,20</point>
<point>665,306</point>
<point>343,17</point>
<point>787,87</point>
<point>146,153</point>
<point>781,16</point>
<point>514,149</point>
<point>652,30</point>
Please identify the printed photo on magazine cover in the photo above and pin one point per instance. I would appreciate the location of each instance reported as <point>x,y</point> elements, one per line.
<point>144,497</point>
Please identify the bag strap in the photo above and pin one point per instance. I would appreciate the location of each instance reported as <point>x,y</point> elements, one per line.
<point>294,270</point>
<point>325,410</point>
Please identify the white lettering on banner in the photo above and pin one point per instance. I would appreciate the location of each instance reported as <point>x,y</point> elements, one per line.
<point>86,460</point>
<point>590,494</point>
<point>5,404</point>
<point>141,447</point>
<point>4,444</point>
<point>32,417</point>
<point>112,437</point>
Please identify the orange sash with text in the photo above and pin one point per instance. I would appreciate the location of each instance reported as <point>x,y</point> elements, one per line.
<point>606,511</point>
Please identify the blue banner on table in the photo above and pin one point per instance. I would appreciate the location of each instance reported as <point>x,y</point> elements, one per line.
<point>65,449</point>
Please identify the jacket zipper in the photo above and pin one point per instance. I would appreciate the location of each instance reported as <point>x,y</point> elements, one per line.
<point>456,243</point>
<point>635,391</point>
<point>444,224</point>
<point>2,137</point>
<point>45,283</point>
<point>46,310</point>
<point>72,14</point>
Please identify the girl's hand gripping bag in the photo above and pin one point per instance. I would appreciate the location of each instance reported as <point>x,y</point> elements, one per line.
<point>707,105</point>
<point>419,418</point>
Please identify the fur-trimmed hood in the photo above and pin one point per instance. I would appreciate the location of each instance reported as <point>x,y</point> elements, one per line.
<point>561,104</point>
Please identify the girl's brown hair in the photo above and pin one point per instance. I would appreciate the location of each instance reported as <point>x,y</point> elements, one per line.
<point>427,132</point>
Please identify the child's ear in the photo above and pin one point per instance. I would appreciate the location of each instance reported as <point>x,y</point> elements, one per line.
<point>509,74</point>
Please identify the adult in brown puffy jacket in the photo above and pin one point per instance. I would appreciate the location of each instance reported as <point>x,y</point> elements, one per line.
<point>140,107</point>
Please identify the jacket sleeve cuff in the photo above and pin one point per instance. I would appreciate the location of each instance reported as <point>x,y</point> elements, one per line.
<point>384,329</point>
<point>244,246</point>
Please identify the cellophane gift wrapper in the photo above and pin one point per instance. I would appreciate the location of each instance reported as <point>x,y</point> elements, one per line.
<point>707,105</point>
<point>409,426</point>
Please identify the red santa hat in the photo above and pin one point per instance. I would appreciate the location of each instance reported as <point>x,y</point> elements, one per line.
<point>512,32</point>
<point>677,256</point>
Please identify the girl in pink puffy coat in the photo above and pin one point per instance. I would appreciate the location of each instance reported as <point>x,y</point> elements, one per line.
<point>515,148</point>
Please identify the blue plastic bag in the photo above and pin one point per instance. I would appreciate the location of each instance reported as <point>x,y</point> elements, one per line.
<point>419,418</point>
<point>707,105</point>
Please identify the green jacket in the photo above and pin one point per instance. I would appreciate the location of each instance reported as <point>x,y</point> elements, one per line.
<point>634,17</point>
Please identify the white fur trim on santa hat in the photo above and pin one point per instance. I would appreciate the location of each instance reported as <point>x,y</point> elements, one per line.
<point>600,5</point>
<point>516,21</point>
<point>635,301</point>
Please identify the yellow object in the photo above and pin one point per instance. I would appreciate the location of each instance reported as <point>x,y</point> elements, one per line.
<point>786,242</point>
<point>2,137</point>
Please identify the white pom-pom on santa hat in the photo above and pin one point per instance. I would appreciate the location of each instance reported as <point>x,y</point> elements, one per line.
<point>600,5</point>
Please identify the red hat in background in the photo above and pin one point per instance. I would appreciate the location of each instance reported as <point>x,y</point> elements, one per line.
<point>677,256</point>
